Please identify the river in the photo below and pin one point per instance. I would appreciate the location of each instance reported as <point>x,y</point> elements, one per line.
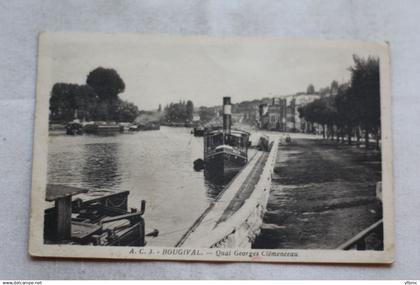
<point>156,166</point>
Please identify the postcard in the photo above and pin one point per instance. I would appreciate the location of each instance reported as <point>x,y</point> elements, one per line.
<point>203,148</point>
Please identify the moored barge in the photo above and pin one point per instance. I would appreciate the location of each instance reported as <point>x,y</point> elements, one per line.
<point>81,219</point>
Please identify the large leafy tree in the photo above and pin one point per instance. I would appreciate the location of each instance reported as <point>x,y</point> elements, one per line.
<point>321,111</point>
<point>365,94</point>
<point>127,111</point>
<point>70,100</point>
<point>310,89</point>
<point>97,100</point>
<point>107,83</point>
<point>179,112</point>
<point>206,114</point>
<point>353,106</point>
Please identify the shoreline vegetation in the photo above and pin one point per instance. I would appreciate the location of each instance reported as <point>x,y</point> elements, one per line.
<point>97,100</point>
<point>354,110</point>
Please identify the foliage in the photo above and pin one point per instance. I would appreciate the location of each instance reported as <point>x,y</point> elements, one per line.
<point>322,111</point>
<point>106,82</point>
<point>66,98</point>
<point>206,114</point>
<point>180,112</point>
<point>365,91</point>
<point>127,111</point>
<point>97,100</point>
<point>310,89</point>
<point>351,106</point>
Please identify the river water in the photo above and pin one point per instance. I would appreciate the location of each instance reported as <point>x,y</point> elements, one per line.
<point>156,166</point>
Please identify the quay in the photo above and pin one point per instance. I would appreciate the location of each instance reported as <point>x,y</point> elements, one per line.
<point>235,217</point>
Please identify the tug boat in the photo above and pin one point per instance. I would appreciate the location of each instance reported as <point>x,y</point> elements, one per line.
<point>225,150</point>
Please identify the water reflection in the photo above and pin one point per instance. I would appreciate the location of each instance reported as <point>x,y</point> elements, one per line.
<point>100,169</point>
<point>215,184</point>
<point>156,166</point>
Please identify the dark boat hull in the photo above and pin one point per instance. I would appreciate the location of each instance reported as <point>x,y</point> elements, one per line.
<point>198,132</point>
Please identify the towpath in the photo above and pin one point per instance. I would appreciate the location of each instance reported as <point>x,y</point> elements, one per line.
<point>322,194</point>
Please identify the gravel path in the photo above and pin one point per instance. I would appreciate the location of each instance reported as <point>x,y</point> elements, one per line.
<point>322,194</point>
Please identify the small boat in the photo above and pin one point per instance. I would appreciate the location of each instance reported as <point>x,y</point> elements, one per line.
<point>198,131</point>
<point>102,128</point>
<point>74,128</point>
<point>125,126</point>
<point>225,150</point>
<point>77,218</point>
<point>150,126</point>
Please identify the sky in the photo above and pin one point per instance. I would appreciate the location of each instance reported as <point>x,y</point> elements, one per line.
<point>163,69</point>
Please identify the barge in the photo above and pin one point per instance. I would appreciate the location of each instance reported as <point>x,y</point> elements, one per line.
<point>81,219</point>
<point>102,128</point>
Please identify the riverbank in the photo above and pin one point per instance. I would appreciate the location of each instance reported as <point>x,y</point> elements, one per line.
<point>322,194</point>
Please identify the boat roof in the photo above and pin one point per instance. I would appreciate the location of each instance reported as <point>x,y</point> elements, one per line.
<point>57,191</point>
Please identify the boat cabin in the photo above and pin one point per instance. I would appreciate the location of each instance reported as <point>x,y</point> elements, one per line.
<point>216,141</point>
<point>104,220</point>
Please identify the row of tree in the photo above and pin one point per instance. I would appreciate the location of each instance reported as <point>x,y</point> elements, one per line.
<point>97,100</point>
<point>354,108</point>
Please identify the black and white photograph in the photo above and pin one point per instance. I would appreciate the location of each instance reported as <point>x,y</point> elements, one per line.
<point>212,148</point>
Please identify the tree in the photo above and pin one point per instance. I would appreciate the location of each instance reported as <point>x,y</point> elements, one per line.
<point>365,95</point>
<point>206,114</point>
<point>70,100</point>
<point>321,111</point>
<point>310,89</point>
<point>107,84</point>
<point>326,91</point>
<point>62,102</point>
<point>87,102</point>
<point>127,111</point>
<point>347,110</point>
<point>334,87</point>
<point>179,112</point>
<point>73,101</point>
<point>190,110</point>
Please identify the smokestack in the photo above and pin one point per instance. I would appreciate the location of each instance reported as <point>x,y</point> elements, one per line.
<point>227,115</point>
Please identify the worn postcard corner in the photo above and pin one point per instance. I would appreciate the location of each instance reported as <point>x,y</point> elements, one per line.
<point>212,149</point>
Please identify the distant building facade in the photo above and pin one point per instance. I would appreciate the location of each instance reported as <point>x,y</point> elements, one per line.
<point>283,115</point>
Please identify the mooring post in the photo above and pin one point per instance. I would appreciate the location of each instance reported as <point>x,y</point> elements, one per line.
<point>63,206</point>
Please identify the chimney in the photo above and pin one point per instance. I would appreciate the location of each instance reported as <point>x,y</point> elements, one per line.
<point>227,115</point>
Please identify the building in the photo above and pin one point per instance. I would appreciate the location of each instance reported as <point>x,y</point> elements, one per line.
<point>283,113</point>
<point>262,116</point>
<point>252,116</point>
<point>273,116</point>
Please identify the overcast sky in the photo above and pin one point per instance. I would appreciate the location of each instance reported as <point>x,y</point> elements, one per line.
<point>163,69</point>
